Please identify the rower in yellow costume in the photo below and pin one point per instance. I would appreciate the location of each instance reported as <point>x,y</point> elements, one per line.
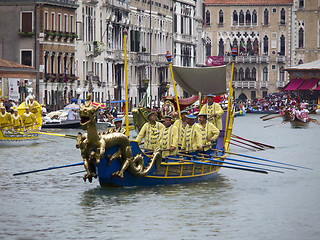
<point>33,105</point>
<point>181,125</point>
<point>192,139</point>
<point>5,119</point>
<point>16,120</point>
<point>213,111</point>
<point>209,133</point>
<point>168,139</point>
<point>28,120</point>
<point>150,132</point>
<point>118,126</point>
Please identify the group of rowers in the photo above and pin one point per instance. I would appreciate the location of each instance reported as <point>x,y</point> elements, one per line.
<point>12,121</point>
<point>295,111</point>
<point>185,133</point>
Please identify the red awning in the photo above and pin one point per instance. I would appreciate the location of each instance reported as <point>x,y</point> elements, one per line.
<point>308,84</point>
<point>293,84</point>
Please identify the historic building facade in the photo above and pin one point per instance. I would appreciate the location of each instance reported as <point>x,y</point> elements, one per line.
<point>306,31</point>
<point>42,34</point>
<point>261,32</point>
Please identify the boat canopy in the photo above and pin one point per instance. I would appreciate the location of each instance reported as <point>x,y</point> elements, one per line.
<point>206,80</point>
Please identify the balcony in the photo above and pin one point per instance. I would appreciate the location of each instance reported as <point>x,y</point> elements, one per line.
<point>89,49</point>
<point>281,84</point>
<point>263,84</point>
<point>264,59</point>
<point>281,59</point>
<point>245,84</point>
<point>162,58</point>
<point>143,56</point>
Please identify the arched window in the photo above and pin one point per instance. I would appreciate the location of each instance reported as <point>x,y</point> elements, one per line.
<point>283,16</point>
<point>248,18</point>
<point>301,36</point>
<point>282,45</point>
<point>300,62</point>
<point>235,74</point>
<point>235,17</point>
<point>265,74</point>
<point>266,17</point>
<point>265,44</point>
<point>241,75</point>
<point>221,47</point>
<point>247,74</point>
<point>281,74</point>
<point>241,18</point>
<point>220,17</point>
<point>208,47</point>
<point>208,18</point>
<point>256,46</point>
<point>254,74</point>
<point>254,17</point>
<point>249,46</point>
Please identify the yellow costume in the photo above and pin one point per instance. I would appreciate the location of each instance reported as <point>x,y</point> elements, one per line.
<point>17,122</point>
<point>214,108</point>
<point>28,120</point>
<point>34,107</point>
<point>150,133</point>
<point>192,138</point>
<point>181,131</point>
<point>168,138</point>
<point>5,120</point>
<point>117,130</point>
<point>208,131</point>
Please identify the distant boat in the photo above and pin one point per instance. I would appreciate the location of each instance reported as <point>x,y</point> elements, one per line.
<point>62,124</point>
<point>252,110</point>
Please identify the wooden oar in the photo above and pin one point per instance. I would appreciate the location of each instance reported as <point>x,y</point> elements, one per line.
<point>314,121</point>
<point>254,142</point>
<point>259,148</point>
<point>238,160</point>
<point>265,119</point>
<point>266,115</point>
<point>262,159</point>
<point>224,162</point>
<point>50,168</point>
<point>277,124</point>
<point>77,172</point>
<point>57,135</point>
<point>243,147</point>
<point>218,165</point>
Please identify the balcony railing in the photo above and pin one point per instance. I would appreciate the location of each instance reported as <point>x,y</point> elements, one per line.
<point>244,59</point>
<point>245,84</point>
<point>264,84</point>
<point>281,59</point>
<point>281,84</point>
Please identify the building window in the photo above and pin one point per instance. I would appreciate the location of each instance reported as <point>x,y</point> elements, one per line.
<point>264,93</point>
<point>235,74</point>
<point>26,58</point>
<point>281,74</point>
<point>220,17</point>
<point>235,17</point>
<point>241,74</point>
<point>283,16</point>
<point>265,44</point>
<point>319,34</point>
<point>71,24</point>
<point>221,47</point>
<point>282,45</point>
<point>59,22</point>
<point>301,36</point>
<point>300,62</point>
<point>301,3</point>
<point>254,17</point>
<point>265,74</point>
<point>46,55</point>
<point>26,22</point>
<point>46,21</point>
<point>208,18</point>
<point>249,46</point>
<point>66,23</point>
<point>248,18</point>
<point>247,74</point>
<point>266,17</point>
<point>53,22</point>
<point>253,95</point>
<point>135,40</point>
<point>254,74</point>
<point>59,64</point>
<point>241,18</point>
<point>208,47</point>
<point>52,64</point>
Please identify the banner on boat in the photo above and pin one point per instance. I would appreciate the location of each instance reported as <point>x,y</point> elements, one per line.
<point>208,80</point>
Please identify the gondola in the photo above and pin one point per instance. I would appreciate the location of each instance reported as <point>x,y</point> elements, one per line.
<point>62,124</point>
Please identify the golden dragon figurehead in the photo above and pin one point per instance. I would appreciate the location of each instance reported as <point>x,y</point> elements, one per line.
<point>87,113</point>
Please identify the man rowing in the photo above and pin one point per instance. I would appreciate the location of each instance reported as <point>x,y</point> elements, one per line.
<point>16,120</point>
<point>213,111</point>
<point>209,133</point>
<point>33,105</point>
<point>5,119</point>
<point>150,132</point>
<point>29,120</point>
<point>181,125</point>
<point>168,139</point>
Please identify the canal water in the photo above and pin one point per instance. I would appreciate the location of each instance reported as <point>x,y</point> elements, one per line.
<point>236,205</point>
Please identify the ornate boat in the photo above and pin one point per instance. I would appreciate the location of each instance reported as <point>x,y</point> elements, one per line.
<point>11,136</point>
<point>117,161</point>
<point>297,123</point>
